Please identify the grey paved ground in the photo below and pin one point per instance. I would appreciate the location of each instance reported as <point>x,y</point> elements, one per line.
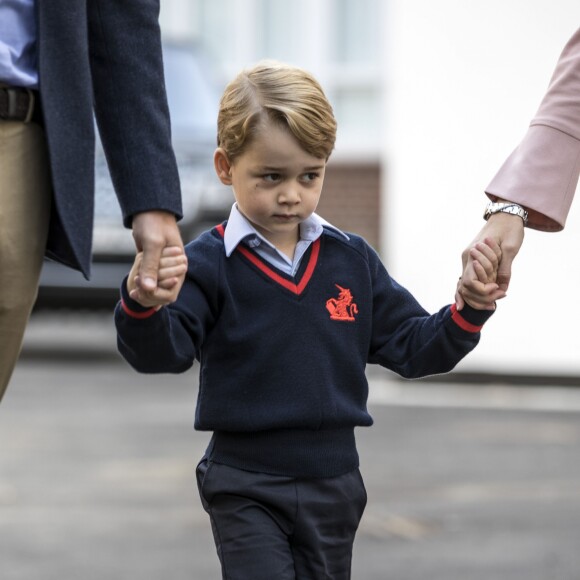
<point>97,473</point>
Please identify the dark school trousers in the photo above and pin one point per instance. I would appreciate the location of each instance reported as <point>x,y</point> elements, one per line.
<point>269,527</point>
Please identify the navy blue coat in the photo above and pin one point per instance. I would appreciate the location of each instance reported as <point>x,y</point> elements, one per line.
<point>103,56</point>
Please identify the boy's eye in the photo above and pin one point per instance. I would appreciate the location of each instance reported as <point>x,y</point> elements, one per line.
<point>310,176</point>
<point>271,177</point>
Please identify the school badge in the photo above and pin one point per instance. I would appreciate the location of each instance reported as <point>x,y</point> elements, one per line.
<point>342,308</point>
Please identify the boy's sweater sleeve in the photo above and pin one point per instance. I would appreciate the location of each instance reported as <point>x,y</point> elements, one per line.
<point>411,342</point>
<point>168,340</point>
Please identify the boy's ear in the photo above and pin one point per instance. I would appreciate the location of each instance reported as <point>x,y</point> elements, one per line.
<point>222,166</point>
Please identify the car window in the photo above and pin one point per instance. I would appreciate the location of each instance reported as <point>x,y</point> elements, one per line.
<point>193,99</point>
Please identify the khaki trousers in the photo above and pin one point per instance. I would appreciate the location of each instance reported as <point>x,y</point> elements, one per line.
<point>25,194</point>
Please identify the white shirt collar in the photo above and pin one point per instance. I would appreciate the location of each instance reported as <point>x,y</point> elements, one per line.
<point>239,228</point>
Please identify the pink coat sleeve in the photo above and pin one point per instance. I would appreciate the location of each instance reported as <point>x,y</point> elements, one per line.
<point>542,172</point>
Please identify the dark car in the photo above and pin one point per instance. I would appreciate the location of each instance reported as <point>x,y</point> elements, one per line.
<point>193,103</point>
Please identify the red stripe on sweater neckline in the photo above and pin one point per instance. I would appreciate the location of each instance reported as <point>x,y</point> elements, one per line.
<point>265,268</point>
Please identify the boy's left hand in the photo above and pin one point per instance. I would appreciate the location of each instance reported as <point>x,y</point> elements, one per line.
<point>482,292</point>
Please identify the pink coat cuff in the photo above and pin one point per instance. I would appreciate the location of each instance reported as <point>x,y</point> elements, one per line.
<point>541,175</point>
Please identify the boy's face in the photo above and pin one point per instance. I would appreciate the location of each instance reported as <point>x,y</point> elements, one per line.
<point>276,183</point>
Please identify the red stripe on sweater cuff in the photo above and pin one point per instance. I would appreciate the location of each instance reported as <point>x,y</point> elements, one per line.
<point>139,315</point>
<point>461,322</point>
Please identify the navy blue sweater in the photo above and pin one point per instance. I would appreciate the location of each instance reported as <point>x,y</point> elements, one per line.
<point>282,359</point>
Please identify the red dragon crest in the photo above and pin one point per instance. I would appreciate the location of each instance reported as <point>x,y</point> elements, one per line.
<point>342,308</point>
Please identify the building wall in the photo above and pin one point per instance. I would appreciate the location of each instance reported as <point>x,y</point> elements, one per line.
<point>351,199</point>
<point>464,80</point>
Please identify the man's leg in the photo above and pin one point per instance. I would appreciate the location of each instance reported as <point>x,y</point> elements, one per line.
<point>25,194</point>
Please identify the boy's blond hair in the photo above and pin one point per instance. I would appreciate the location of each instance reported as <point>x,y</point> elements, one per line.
<point>284,94</point>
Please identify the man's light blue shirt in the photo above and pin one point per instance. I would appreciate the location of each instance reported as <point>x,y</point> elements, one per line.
<point>240,230</point>
<point>18,62</point>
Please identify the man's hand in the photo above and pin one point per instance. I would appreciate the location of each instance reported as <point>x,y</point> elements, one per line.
<point>507,231</point>
<point>172,267</point>
<point>153,231</point>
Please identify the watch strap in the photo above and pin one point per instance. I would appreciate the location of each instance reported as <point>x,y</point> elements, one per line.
<point>505,207</point>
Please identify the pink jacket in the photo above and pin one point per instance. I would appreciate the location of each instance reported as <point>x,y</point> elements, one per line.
<point>542,172</point>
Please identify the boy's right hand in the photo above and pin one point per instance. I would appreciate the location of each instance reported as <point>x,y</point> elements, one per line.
<point>172,268</point>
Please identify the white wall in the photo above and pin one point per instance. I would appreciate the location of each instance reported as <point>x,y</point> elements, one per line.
<point>463,80</point>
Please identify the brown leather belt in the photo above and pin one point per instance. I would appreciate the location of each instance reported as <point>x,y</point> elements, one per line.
<point>16,103</point>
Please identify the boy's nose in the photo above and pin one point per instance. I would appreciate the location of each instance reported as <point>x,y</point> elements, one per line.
<point>290,194</point>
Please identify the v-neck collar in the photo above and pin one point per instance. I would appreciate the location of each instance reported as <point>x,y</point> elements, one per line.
<point>265,268</point>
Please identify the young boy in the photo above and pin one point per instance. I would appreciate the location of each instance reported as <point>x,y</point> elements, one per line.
<point>283,311</point>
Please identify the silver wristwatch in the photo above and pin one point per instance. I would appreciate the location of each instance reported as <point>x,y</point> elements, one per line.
<point>505,207</point>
